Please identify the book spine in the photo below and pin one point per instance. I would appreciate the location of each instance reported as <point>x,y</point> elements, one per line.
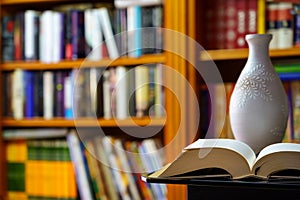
<point>134,25</point>
<point>106,95</point>
<point>231,23</point>
<point>58,32</point>
<point>289,76</point>
<point>261,19</point>
<point>7,94</point>
<point>8,23</point>
<point>68,111</point>
<point>285,28</point>
<point>242,19</point>
<point>106,26</point>
<point>296,25</point>
<point>19,36</point>
<point>79,167</point>
<point>256,20</point>
<point>46,36</point>
<point>121,93</point>
<point>38,93</point>
<point>29,94</point>
<point>18,94</point>
<point>148,34</point>
<point>142,90</point>
<point>30,34</point>
<point>99,93</point>
<point>59,94</point>
<point>220,25</point>
<point>48,94</point>
<point>272,24</point>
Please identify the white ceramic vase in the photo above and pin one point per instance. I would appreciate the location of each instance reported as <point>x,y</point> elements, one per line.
<point>258,106</point>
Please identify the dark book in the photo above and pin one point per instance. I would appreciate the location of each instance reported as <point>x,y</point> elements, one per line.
<point>7,94</point>
<point>38,94</point>
<point>19,36</point>
<point>59,93</point>
<point>120,23</point>
<point>99,94</point>
<point>8,38</point>
<point>68,35</point>
<point>78,38</point>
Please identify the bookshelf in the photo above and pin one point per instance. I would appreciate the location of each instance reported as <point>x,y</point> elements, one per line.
<point>174,19</point>
<point>186,17</point>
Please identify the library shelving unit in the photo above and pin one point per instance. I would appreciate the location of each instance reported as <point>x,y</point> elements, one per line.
<point>174,18</point>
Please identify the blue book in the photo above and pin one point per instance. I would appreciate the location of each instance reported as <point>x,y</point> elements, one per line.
<point>29,94</point>
<point>289,76</point>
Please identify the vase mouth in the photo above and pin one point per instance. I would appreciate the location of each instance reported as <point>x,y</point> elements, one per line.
<point>265,35</point>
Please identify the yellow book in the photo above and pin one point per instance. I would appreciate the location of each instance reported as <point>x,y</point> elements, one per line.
<point>261,16</point>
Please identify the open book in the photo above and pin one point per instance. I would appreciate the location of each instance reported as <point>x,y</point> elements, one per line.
<point>209,157</point>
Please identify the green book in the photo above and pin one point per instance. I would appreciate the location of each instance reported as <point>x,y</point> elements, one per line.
<point>287,68</point>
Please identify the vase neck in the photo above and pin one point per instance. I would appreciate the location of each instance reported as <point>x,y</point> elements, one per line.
<point>258,47</point>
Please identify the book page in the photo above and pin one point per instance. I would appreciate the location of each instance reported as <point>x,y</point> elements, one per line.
<point>277,157</point>
<point>231,144</point>
<point>279,147</point>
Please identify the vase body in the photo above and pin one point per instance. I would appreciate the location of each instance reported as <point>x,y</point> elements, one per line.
<point>258,107</point>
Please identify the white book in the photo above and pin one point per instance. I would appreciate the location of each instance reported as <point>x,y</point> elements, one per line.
<point>141,90</point>
<point>18,94</point>
<point>9,134</point>
<point>106,27</point>
<point>48,94</point>
<point>79,166</point>
<point>93,33</point>
<point>121,93</point>
<point>46,36</point>
<point>128,3</point>
<point>58,36</point>
<point>285,30</point>
<point>29,34</point>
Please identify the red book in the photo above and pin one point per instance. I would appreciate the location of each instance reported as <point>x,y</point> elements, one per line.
<point>230,24</point>
<point>241,17</point>
<point>252,16</point>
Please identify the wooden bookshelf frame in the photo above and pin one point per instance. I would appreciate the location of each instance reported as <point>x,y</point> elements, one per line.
<point>235,54</point>
<point>71,64</point>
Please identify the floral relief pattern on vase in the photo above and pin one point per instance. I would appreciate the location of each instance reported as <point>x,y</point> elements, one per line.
<point>255,85</point>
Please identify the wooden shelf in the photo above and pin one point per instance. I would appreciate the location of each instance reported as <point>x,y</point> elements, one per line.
<point>235,54</point>
<point>70,64</point>
<point>84,122</point>
<point>13,2</point>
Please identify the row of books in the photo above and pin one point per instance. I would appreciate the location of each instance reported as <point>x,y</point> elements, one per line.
<point>214,110</point>
<point>53,35</point>
<point>283,22</point>
<point>227,22</point>
<point>67,168</point>
<point>118,92</point>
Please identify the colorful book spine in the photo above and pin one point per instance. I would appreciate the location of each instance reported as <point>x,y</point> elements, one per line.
<point>134,25</point>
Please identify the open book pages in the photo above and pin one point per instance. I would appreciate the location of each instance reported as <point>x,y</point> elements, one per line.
<point>234,157</point>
